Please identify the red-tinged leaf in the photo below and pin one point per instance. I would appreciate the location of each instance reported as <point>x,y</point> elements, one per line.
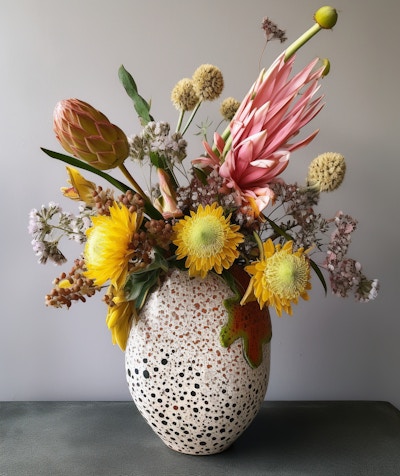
<point>250,324</point>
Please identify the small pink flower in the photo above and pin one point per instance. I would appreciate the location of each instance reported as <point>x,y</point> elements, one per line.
<point>271,114</point>
<point>166,204</point>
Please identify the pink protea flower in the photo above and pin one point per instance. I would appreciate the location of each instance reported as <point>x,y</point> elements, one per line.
<point>270,115</point>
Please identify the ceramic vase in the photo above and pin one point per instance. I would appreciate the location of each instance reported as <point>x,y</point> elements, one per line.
<point>196,394</point>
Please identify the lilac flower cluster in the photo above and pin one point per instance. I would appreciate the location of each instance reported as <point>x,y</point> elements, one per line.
<point>305,226</point>
<point>309,229</point>
<point>49,224</point>
<point>155,139</point>
<point>345,273</point>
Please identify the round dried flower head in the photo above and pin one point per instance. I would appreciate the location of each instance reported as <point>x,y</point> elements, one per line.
<point>228,108</point>
<point>208,82</point>
<point>184,96</point>
<point>326,172</point>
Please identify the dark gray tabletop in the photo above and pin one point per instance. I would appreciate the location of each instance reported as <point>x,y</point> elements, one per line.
<point>286,438</point>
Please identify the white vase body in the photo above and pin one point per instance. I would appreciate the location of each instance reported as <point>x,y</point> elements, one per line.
<point>197,395</point>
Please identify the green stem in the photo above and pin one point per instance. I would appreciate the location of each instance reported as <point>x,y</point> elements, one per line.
<point>259,244</point>
<point>192,116</point>
<point>136,186</point>
<point>180,119</point>
<point>148,206</point>
<point>225,135</point>
<point>291,50</point>
<point>228,145</point>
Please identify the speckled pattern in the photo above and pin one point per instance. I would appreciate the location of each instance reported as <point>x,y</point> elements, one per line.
<point>195,394</point>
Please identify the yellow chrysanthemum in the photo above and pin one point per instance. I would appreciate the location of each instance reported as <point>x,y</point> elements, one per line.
<point>280,277</point>
<point>107,250</point>
<point>120,316</point>
<point>207,240</point>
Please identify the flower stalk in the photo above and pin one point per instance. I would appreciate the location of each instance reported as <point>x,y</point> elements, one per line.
<point>325,18</point>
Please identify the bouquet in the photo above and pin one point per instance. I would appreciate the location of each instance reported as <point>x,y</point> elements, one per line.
<point>227,211</point>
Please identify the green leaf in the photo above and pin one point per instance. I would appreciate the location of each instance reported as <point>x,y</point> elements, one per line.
<point>83,165</point>
<point>159,263</point>
<point>319,274</point>
<point>157,160</point>
<point>142,107</point>
<point>140,283</point>
<point>278,229</point>
<point>148,207</point>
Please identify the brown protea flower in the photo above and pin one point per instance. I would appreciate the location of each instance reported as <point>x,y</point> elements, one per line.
<point>86,133</point>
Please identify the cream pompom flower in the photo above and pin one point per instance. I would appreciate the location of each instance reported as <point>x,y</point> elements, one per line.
<point>184,96</point>
<point>208,82</point>
<point>326,172</point>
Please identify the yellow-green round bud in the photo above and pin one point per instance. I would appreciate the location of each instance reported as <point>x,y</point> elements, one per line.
<point>326,17</point>
<point>326,65</point>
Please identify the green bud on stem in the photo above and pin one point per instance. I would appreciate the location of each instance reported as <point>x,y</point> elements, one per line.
<point>326,17</point>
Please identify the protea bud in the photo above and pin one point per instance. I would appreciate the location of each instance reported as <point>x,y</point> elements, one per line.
<point>86,133</point>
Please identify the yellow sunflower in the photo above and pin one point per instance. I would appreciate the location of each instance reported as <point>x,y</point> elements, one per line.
<point>207,240</point>
<point>120,316</point>
<point>279,278</point>
<point>107,250</point>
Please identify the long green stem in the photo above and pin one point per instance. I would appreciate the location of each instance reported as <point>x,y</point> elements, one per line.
<point>291,50</point>
<point>133,182</point>
<point>224,135</point>
<point>191,117</point>
<point>180,119</point>
<point>148,206</point>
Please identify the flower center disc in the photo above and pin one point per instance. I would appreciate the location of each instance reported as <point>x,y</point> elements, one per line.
<point>286,275</point>
<point>205,236</point>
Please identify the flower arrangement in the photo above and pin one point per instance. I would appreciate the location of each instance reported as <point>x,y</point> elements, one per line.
<point>231,213</point>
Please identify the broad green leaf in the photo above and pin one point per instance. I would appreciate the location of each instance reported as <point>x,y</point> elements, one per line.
<point>148,207</point>
<point>84,165</point>
<point>142,107</point>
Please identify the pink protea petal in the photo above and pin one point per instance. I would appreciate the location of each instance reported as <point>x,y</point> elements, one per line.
<point>271,114</point>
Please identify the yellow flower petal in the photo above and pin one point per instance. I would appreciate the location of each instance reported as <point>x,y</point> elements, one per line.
<point>207,240</point>
<point>279,278</point>
<point>107,250</point>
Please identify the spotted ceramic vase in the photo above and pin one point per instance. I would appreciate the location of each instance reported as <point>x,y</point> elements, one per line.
<point>196,394</point>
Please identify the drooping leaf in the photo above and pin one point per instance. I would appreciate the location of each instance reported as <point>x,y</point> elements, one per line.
<point>142,107</point>
<point>84,165</point>
<point>148,207</point>
<point>317,271</point>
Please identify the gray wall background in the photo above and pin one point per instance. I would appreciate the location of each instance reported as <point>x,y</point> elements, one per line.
<point>52,49</point>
